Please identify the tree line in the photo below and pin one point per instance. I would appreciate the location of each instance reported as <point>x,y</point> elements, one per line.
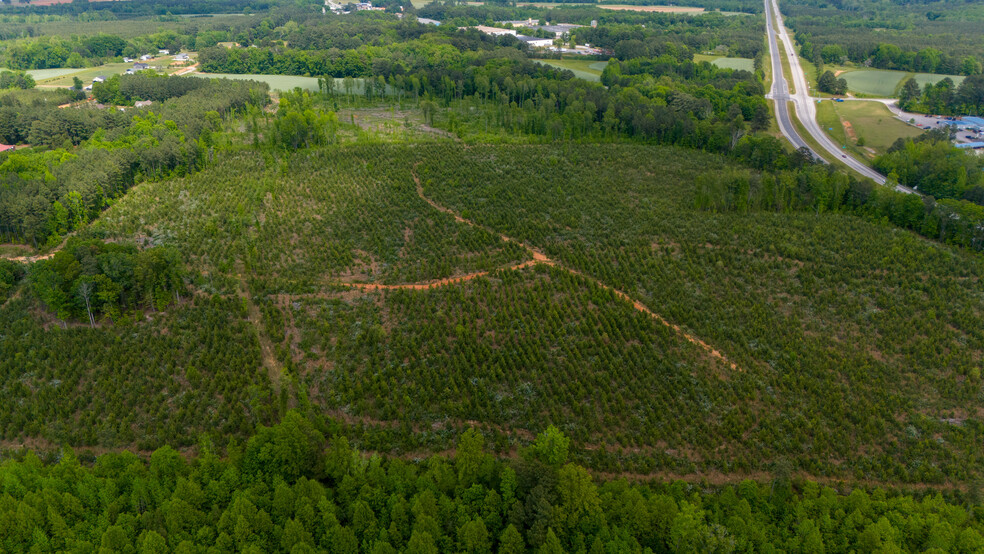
<point>817,189</point>
<point>906,36</point>
<point>943,97</point>
<point>291,489</point>
<point>932,165</point>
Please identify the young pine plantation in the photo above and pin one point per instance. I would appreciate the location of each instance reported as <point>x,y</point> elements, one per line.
<point>442,297</point>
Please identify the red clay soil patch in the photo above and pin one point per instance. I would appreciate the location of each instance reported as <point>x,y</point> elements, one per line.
<point>538,258</point>
<point>37,257</point>
<point>187,70</point>
<point>849,129</point>
<point>438,282</point>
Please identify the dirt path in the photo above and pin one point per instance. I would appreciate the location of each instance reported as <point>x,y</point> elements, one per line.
<point>435,283</point>
<point>256,318</point>
<point>38,257</point>
<point>541,258</point>
<point>190,69</point>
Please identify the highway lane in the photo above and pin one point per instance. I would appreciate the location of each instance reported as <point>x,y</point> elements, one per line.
<point>780,90</point>
<point>805,106</point>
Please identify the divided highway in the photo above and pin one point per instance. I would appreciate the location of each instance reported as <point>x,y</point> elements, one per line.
<point>806,110</point>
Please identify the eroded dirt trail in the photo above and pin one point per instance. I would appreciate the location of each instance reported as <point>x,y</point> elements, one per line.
<point>435,283</point>
<point>538,258</point>
<point>38,257</point>
<point>256,318</point>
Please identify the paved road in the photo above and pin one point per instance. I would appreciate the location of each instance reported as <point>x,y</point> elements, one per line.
<point>780,90</point>
<point>806,110</point>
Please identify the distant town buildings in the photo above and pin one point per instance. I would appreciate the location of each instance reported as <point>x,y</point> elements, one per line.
<point>536,42</point>
<point>494,31</point>
<point>558,30</point>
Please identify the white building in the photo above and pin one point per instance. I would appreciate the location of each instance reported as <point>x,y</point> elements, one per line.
<point>536,42</point>
<point>494,31</point>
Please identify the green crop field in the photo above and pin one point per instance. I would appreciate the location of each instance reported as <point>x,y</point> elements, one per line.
<point>875,82</point>
<point>284,82</point>
<point>45,74</point>
<point>585,69</point>
<point>276,82</point>
<point>926,78</point>
<point>884,83</point>
<point>746,64</point>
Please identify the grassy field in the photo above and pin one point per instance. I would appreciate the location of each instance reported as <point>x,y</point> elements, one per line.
<point>876,82</point>
<point>64,77</point>
<point>813,144</point>
<point>276,82</point>
<point>811,72</point>
<point>589,70</point>
<point>746,64</point>
<point>925,78</point>
<point>287,82</point>
<point>884,83</point>
<point>846,122</point>
<point>45,74</point>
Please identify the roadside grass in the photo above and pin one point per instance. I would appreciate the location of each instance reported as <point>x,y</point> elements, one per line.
<point>831,124</point>
<point>786,68</point>
<point>589,70</point>
<point>836,161</point>
<point>874,122</point>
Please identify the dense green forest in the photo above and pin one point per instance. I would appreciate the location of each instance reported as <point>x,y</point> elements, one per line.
<point>923,37</point>
<point>291,489</point>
